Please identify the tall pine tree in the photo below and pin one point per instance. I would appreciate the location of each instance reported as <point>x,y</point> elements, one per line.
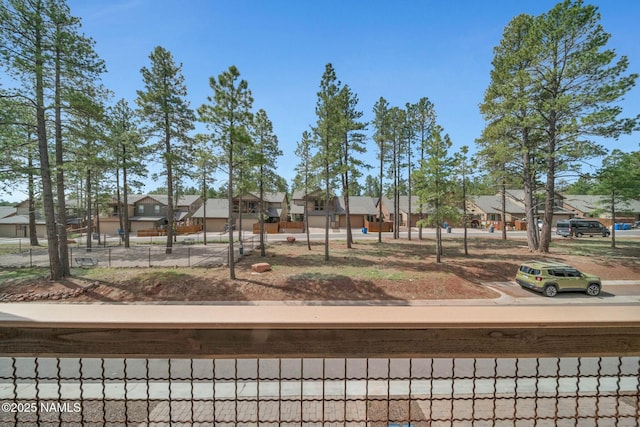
<point>168,117</point>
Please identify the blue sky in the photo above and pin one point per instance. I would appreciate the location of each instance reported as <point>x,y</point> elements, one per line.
<point>401,50</point>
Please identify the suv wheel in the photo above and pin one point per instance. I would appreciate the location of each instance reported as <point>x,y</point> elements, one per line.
<point>578,234</point>
<point>593,289</point>
<point>550,291</point>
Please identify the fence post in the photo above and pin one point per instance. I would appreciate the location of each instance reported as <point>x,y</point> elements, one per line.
<point>109,257</point>
<point>30,257</point>
<point>149,256</point>
<point>189,256</point>
<point>71,254</point>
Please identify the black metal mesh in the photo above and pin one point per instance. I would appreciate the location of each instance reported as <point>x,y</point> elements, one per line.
<point>320,392</point>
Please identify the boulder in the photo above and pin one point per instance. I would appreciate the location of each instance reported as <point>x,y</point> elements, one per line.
<point>291,239</point>
<point>261,267</point>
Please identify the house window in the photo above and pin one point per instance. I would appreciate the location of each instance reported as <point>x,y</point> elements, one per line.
<point>156,209</point>
<point>318,205</point>
<point>140,209</point>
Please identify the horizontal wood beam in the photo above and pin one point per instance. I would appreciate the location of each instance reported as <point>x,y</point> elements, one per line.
<point>303,331</point>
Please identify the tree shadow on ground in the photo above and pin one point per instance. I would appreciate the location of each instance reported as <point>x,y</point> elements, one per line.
<point>167,286</point>
<point>321,286</point>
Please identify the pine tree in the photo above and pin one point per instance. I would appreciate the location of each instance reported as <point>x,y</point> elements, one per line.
<point>433,183</point>
<point>352,143</point>
<point>327,136</point>
<point>25,46</point>
<point>267,151</point>
<point>306,176</point>
<point>382,125</point>
<point>228,116</point>
<point>423,119</point>
<point>128,153</point>
<point>165,109</point>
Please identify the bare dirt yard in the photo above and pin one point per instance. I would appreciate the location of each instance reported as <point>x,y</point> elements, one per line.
<point>397,270</point>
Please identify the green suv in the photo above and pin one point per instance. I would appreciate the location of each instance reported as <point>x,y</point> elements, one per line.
<point>551,277</point>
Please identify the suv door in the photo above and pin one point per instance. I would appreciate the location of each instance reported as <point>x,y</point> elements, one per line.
<point>569,279</point>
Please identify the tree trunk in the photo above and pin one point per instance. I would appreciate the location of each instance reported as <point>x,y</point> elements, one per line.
<point>547,220</point>
<point>230,222</point>
<point>530,205</point>
<point>409,191</point>
<point>306,215</point>
<point>33,230</point>
<point>380,196</point>
<point>262,213</point>
<point>170,214</point>
<point>62,204</point>
<point>503,208</point>
<point>45,171</point>
<point>326,211</point>
<point>89,211</point>
<point>613,217</point>
<point>204,206</point>
<point>348,213</point>
<point>125,199</point>
<point>464,214</point>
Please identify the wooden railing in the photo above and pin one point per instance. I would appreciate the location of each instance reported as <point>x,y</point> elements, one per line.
<point>317,331</point>
<point>300,365</point>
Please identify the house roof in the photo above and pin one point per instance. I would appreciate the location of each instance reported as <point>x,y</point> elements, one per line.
<point>493,204</point>
<point>216,208</point>
<point>588,203</point>
<point>584,203</point>
<point>312,192</point>
<point>14,219</point>
<point>277,197</point>
<point>404,204</point>
<point>146,218</point>
<point>163,199</point>
<point>358,205</point>
<point>6,211</point>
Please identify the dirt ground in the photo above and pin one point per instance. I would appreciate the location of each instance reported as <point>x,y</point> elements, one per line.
<point>392,271</point>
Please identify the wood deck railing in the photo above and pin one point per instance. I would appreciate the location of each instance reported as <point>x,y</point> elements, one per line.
<point>317,331</point>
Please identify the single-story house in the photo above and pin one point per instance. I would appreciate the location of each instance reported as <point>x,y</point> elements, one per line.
<point>590,206</point>
<point>14,221</point>
<point>487,210</point>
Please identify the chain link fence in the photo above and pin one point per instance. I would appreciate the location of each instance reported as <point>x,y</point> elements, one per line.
<point>186,253</point>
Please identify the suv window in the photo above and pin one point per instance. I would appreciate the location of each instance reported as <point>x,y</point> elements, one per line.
<point>572,273</point>
<point>528,270</point>
<point>557,273</point>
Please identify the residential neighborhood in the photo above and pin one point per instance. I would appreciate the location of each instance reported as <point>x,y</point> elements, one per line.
<point>147,213</point>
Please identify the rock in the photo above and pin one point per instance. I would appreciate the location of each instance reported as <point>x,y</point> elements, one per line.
<point>291,239</point>
<point>261,267</point>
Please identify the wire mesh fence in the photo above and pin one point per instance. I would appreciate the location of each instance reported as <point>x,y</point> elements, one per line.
<point>135,256</point>
<point>587,391</point>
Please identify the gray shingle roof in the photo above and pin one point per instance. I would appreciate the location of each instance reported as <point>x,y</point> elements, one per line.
<point>216,208</point>
<point>358,205</point>
<point>589,203</point>
<point>404,205</point>
<point>493,204</point>
<point>6,211</point>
